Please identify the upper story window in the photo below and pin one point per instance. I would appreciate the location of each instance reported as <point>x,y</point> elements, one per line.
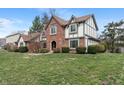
<point>73,28</point>
<point>53,29</point>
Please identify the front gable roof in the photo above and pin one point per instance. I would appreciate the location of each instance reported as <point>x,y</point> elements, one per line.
<point>59,20</point>
<point>63,22</point>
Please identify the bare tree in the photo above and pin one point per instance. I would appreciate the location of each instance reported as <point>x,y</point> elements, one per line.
<point>53,12</point>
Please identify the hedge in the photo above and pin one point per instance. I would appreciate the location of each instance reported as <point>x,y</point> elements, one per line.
<point>92,49</point>
<point>80,50</point>
<point>65,49</point>
<point>100,48</point>
<point>23,49</point>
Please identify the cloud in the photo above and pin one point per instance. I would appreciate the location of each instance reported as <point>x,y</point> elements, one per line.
<point>5,22</point>
<point>8,26</point>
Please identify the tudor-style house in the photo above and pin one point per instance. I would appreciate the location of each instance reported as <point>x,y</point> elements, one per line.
<point>76,32</point>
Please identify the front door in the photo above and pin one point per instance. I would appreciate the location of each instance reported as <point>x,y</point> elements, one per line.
<point>53,45</point>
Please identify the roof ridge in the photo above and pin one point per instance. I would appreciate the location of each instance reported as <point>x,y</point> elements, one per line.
<point>59,17</point>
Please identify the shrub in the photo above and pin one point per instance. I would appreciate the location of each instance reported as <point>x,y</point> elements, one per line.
<point>92,49</point>
<point>44,50</point>
<point>23,49</point>
<point>80,50</point>
<point>5,47</point>
<point>65,49</point>
<point>16,50</point>
<point>34,47</point>
<point>117,50</point>
<point>10,47</point>
<point>100,48</point>
<point>56,50</point>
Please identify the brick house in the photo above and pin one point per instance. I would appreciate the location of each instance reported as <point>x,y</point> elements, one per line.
<point>78,31</point>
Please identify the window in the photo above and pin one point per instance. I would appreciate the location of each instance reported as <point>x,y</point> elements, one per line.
<point>21,44</point>
<point>44,45</point>
<point>74,43</point>
<point>73,28</point>
<point>53,29</point>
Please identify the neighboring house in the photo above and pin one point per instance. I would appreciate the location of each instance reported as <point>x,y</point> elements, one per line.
<point>2,42</point>
<point>13,39</point>
<point>24,40</point>
<point>78,31</point>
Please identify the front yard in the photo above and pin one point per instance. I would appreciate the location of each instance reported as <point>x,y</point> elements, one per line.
<point>19,68</point>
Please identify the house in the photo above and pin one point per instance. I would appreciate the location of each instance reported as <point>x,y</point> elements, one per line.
<point>72,33</point>
<point>24,40</point>
<point>2,42</point>
<point>13,39</point>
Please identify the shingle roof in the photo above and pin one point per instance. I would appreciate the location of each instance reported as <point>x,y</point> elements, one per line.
<point>76,20</point>
<point>82,18</point>
<point>25,37</point>
<point>13,34</point>
<point>30,36</point>
<point>60,20</point>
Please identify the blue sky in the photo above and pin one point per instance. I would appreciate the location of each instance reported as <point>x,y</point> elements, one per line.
<point>19,19</point>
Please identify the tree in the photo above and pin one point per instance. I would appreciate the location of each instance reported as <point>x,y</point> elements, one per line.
<point>37,25</point>
<point>52,12</point>
<point>111,33</point>
<point>45,18</point>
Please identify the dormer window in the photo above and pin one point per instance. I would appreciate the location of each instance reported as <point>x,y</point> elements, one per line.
<point>73,28</point>
<point>53,29</point>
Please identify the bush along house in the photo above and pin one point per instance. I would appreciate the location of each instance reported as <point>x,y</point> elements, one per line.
<point>76,32</point>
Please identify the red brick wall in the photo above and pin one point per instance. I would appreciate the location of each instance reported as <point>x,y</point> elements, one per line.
<point>82,42</point>
<point>58,38</point>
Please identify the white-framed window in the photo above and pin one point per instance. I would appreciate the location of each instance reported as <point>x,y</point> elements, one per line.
<point>74,43</point>
<point>21,44</point>
<point>53,29</point>
<point>73,28</point>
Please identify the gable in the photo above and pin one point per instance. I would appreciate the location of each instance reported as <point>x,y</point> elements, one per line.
<point>54,21</point>
<point>20,39</point>
<point>13,38</point>
<point>91,22</point>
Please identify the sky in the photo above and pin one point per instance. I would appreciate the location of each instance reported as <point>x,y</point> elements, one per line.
<point>20,19</point>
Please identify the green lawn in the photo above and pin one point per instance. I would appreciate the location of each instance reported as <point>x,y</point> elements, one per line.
<point>17,68</point>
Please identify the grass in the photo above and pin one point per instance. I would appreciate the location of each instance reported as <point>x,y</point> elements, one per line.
<point>19,68</point>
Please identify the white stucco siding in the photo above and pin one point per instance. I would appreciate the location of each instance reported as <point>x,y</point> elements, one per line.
<point>90,28</point>
<point>91,42</point>
<point>78,34</point>
<point>67,32</point>
<point>80,30</point>
<point>91,22</point>
<point>12,39</point>
<point>21,41</point>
